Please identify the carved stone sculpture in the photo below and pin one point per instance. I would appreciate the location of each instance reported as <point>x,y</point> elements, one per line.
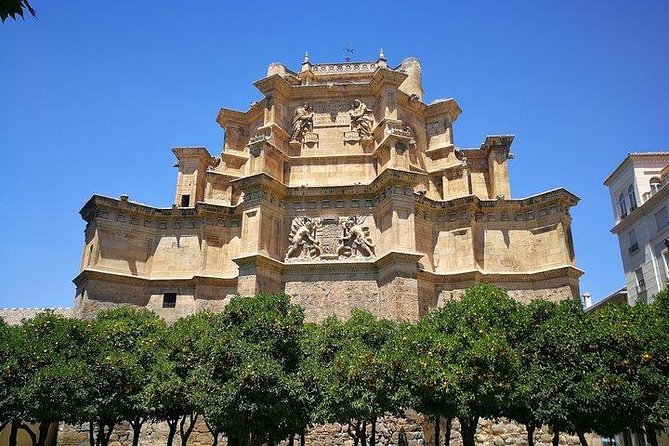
<point>303,121</point>
<point>356,240</point>
<point>329,238</point>
<point>302,238</point>
<point>362,119</point>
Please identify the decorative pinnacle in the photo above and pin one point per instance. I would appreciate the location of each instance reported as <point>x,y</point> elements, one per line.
<point>306,57</point>
<point>382,61</point>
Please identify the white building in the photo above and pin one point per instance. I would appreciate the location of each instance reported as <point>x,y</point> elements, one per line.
<point>642,223</point>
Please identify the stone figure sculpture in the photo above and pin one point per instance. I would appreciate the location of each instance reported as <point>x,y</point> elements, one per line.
<point>302,238</point>
<point>362,119</point>
<point>303,121</point>
<point>356,239</point>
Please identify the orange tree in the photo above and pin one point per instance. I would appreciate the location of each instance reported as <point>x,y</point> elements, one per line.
<point>356,389</point>
<point>250,373</point>
<point>121,350</point>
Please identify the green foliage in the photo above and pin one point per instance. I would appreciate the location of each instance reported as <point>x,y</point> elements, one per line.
<point>249,382</point>
<point>10,377</point>
<point>56,376</point>
<point>355,384</point>
<point>121,348</point>
<point>15,8</point>
<point>170,392</point>
<point>257,373</point>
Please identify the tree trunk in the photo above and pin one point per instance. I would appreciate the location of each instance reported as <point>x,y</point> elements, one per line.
<point>530,433</point>
<point>437,430</point>
<point>447,437</point>
<point>213,432</point>
<point>302,439</point>
<point>372,440</point>
<point>581,438</point>
<point>29,431</point>
<point>91,433</point>
<point>185,434</point>
<point>556,437</point>
<point>43,433</point>
<point>651,434</point>
<point>104,436</point>
<point>172,425</point>
<point>136,425</point>
<point>363,434</point>
<point>353,431</point>
<point>468,430</point>
<point>291,440</point>
<point>13,432</point>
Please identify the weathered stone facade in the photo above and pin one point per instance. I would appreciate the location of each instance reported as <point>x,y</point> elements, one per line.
<point>344,189</point>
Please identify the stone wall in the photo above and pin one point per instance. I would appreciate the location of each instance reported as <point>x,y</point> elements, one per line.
<point>14,316</point>
<point>418,431</point>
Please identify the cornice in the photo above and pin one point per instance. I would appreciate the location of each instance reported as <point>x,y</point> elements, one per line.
<point>100,202</point>
<point>628,160</point>
<point>561,195</point>
<point>126,279</point>
<point>448,106</point>
<point>372,265</point>
<point>192,152</point>
<point>477,275</point>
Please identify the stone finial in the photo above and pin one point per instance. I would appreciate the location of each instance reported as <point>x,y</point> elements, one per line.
<point>382,61</point>
<point>306,65</point>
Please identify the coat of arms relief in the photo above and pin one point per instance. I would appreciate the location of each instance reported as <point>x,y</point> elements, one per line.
<point>329,238</point>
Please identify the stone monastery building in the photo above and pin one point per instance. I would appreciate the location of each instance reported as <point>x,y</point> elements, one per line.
<point>344,189</point>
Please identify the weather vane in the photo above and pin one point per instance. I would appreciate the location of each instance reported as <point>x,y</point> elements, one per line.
<point>348,51</point>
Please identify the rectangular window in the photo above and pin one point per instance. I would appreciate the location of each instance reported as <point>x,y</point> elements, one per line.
<point>185,201</point>
<point>640,281</point>
<point>633,246</point>
<point>169,300</point>
<point>661,218</point>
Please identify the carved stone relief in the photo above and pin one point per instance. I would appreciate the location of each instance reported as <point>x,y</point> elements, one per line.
<point>303,122</point>
<point>302,239</point>
<point>329,238</point>
<point>362,119</point>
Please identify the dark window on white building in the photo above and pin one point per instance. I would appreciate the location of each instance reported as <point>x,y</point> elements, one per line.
<point>630,194</point>
<point>661,218</point>
<point>622,206</point>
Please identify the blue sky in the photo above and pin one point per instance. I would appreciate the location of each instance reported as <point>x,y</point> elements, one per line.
<point>94,94</point>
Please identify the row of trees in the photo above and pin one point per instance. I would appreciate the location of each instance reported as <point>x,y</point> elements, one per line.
<point>258,374</point>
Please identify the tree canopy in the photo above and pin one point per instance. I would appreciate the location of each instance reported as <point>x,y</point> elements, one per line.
<point>258,374</point>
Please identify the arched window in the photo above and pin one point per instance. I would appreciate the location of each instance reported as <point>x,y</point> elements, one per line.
<point>623,206</point>
<point>655,184</point>
<point>630,193</point>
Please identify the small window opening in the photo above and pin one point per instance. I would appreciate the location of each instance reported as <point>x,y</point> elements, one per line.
<point>655,184</point>
<point>185,201</point>
<point>623,206</point>
<point>630,193</point>
<point>169,300</point>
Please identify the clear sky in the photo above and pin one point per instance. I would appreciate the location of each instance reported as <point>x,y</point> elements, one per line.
<point>94,94</point>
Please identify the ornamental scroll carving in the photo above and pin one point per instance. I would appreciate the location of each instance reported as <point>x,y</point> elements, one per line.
<point>329,238</point>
